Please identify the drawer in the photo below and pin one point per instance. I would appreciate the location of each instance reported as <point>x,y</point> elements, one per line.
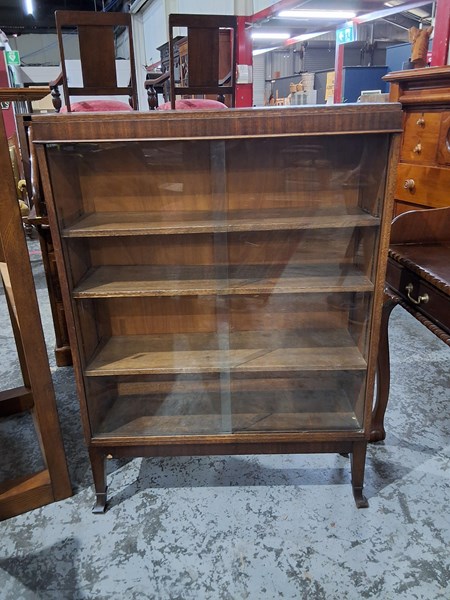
<point>436,308</point>
<point>427,186</point>
<point>420,137</point>
<point>443,154</point>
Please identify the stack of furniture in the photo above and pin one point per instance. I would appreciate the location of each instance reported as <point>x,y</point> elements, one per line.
<point>222,275</point>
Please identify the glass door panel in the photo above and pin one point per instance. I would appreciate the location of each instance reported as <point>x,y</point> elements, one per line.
<point>222,285</point>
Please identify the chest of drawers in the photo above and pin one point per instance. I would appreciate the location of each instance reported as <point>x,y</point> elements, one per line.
<point>423,176</point>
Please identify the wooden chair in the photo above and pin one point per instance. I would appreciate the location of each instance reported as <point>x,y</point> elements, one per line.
<point>207,61</point>
<point>96,36</point>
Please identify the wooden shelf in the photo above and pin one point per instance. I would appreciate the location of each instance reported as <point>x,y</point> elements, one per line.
<point>176,280</point>
<point>159,416</point>
<point>247,351</point>
<point>105,224</point>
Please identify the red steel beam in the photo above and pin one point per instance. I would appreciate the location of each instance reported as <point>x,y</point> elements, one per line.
<point>441,37</point>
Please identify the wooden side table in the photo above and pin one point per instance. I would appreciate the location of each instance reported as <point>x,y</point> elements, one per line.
<point>418,279</point>
<point>37,394</point>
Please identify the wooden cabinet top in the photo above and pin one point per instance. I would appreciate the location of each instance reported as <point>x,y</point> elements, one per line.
<point>253,122</point>
<point>430,85</point>
<point>427,74</point>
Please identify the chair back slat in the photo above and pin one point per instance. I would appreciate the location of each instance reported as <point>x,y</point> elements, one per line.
<point>97,55</point>
<point>209,64</point>
<point>96,32</point>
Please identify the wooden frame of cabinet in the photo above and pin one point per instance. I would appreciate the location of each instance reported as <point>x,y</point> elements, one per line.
<point>222,275</point>
<point>36,395</point>
<point>38,219</point>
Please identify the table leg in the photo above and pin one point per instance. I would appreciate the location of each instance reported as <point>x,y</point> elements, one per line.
<point>377,432</point>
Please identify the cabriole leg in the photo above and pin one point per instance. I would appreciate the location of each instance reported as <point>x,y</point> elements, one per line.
<point>383,373</point>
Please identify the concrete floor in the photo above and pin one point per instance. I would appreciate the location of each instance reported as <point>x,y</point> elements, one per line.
<point>261,527</point>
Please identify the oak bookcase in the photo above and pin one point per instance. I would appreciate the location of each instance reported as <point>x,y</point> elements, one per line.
<point>222,274</point>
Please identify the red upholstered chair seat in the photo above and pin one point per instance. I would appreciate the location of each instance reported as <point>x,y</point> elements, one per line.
<point>98,106</point>
<point>193,104</point>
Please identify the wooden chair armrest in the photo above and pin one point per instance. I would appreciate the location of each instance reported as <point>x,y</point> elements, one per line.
<point>149,84</point>
<point>161,79</point>
<point>55,93</point>
<point>56,82</point>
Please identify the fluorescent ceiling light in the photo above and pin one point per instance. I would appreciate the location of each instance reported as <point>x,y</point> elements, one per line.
<point>29,7</point>
<point>290,41</point>
<point>261,51</point>
<point>317,14</point>
<point>260,35</point>
<point>306,36</point>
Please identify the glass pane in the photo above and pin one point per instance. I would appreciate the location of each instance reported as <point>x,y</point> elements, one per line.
<point>222,286</point>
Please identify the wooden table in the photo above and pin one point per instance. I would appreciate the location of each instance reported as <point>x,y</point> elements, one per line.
<point>23,94</point>
<point>37,394</point>
<point>418,279</point>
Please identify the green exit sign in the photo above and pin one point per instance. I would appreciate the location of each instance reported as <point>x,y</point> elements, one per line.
<point>346,34</point>
<point>12,58</point>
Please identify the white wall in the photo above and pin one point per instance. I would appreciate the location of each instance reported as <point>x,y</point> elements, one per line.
<point>149,32</point>
<point>262,4</point>
<point>203,7</point>
<point>39,74</point>
<point>155,30</point>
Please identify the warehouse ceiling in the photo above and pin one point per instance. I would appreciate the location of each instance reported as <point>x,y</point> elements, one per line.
<point>391,19</point>
<point>14,17</point>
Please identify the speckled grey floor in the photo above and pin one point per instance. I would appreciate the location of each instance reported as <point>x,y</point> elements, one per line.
<point>244,527</point>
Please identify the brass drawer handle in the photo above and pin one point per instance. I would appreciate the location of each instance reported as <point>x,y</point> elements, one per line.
<point>420,122</point>
<point>421,299</point>
<point>417,149</point>
<point>409,184</point>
